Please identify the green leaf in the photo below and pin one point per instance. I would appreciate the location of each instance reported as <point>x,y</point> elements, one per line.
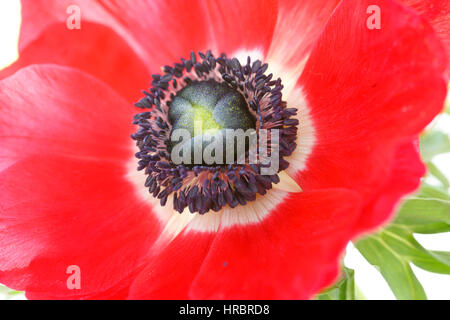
<point>393,267</point>
<point>344,289</point>
<point>429,191</point>
<point>425,215</point>
<point>434,143</point>
<point>402,241</point>
<point>444,256</point>
<point>393,249</point>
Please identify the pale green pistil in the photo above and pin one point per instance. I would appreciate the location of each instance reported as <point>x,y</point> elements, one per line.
<point>208,107</point>
<point>204,122</point>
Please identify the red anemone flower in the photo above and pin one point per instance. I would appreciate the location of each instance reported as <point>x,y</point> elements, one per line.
<point>70,191</point>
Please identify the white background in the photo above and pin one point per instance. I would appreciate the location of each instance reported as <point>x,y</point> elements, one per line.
<point>368,279</point>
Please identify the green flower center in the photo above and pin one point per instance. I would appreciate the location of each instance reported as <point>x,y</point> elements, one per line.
<point>208,108</point>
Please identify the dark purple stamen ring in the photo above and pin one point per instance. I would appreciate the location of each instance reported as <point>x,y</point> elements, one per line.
<point>203,188</point>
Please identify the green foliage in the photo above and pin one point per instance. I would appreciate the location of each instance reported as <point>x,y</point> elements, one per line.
<point>344,289</point>
<point>394,249</point>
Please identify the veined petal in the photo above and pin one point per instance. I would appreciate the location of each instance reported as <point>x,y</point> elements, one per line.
<point>298,27</point>
<point>290,255</point>
<point>58,212</point>
<point>374,93</point>
<point>64,197</point>
<point>224,26</point>
<point>142,24</point>
<point>240,24</point>
<point>406,171</point>
<point>95,49</point>
<point>437,12</point>
<point>48,109</point>
<point>169,273</point>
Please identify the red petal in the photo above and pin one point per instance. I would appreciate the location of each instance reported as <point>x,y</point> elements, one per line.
<point>291,254</point>
<point>94,49</point>
<point>155,38</point>
<point>403,178</point>
<point>437,12</point>
<point>299,25</point>
<point>169,274</point>
<point>57,212</point>
<point>240,24</point>
<point>162,32</point>
<point>375,92</point>
<point>64,196</point>
<point>48,109</point>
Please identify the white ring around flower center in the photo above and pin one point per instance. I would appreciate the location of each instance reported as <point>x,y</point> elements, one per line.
<point>254,212</point>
